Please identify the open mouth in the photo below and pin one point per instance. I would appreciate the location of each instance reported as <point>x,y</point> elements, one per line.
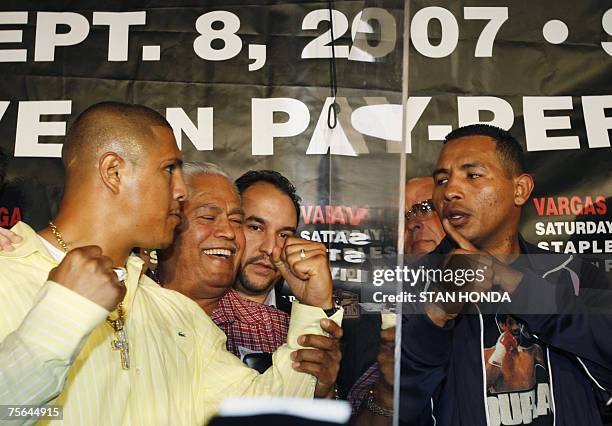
<point>221,253</point>
<point>456,217</point>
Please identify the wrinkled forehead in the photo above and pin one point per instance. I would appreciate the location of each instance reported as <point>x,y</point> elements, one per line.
<point>468,150</point>
<point>418,190</point>
<point>213,190</point>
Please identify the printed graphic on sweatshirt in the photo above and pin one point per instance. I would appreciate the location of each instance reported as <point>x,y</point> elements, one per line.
<point>518,390</point>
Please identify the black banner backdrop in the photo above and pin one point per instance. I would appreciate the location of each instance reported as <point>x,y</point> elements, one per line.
<point>546,77</point>
<point>246,85</point>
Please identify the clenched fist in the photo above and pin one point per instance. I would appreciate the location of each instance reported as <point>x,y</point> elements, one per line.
<point>508,340</point>
<point>304,265</point>
<point>88,272</point>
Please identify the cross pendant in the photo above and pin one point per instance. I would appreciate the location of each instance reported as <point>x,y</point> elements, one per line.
<point>121,344</point>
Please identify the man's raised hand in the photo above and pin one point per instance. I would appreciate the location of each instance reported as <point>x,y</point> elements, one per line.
<point>86,271</point>
<point>496,272</point>
<point>305,267</point>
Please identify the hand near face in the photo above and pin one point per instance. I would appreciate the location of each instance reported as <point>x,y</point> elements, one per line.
<point>7,239</point>
<point>480,258</point>
<point>467,256</point>
<point>304,265</point>
<point>86,271</point>
<point>496,273</point>
<point>321,358</point>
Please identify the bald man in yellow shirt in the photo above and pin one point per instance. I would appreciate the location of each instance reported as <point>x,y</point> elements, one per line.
<point>72,335</point>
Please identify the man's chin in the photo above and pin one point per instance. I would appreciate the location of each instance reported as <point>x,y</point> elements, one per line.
<point>165,243</point>
<point>422,247</point>
<point>220,279</point>
<point>256,287</point>
<point>171,232</point>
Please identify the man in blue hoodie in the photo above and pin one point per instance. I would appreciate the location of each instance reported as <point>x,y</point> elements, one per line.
<point>545,358</point>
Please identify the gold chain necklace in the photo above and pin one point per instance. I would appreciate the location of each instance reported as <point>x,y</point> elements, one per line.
<point>121,343</point>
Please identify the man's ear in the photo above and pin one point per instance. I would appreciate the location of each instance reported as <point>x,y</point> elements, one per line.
<point>523,186</point>
<point>111,168</point>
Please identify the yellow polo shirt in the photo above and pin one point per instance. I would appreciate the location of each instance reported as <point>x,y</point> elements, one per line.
<point>56,348</point>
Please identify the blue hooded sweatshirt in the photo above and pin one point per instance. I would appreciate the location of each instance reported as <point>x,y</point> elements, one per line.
<point>566,355</point>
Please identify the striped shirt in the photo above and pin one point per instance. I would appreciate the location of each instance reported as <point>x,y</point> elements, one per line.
<point>55,347</point>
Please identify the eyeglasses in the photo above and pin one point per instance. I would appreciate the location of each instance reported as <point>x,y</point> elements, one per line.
<point>422,209</point>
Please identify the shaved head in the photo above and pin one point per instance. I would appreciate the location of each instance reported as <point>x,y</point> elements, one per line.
<point>125,129</point>
<point>122,158</point>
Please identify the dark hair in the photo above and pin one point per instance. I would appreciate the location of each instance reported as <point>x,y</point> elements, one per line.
<point>103,123</point>
<point>274,178</point>
<point>507,147</point>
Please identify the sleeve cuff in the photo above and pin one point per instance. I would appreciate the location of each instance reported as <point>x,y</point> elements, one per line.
<point>306,319</point>
<point>60,320</point>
